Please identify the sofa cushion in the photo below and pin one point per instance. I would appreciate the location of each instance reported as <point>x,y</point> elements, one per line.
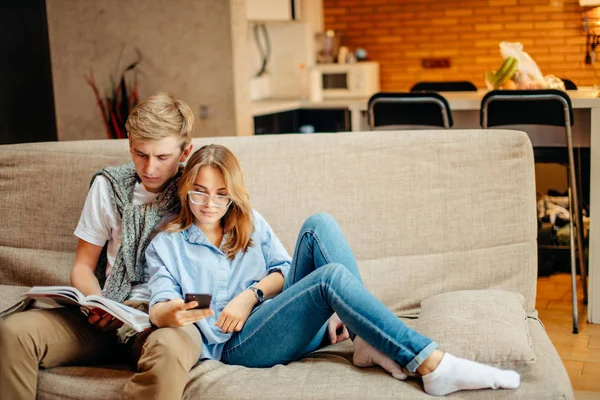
<point>489,326</point>
<point>324,374</point>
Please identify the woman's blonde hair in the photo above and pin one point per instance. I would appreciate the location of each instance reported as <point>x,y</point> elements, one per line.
<point>237,221</point>
<point>160,116</point>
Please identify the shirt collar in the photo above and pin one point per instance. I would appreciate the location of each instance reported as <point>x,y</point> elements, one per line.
<point>193,234</point>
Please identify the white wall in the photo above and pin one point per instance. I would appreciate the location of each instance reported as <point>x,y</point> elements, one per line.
<point>194,49</point>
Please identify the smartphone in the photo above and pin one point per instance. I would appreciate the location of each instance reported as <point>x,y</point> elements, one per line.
<point>202,299</point>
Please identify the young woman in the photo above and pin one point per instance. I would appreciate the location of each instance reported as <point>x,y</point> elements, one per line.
<point>269,309</point>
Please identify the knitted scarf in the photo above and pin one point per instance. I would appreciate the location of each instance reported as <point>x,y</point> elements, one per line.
<point>137,224</point>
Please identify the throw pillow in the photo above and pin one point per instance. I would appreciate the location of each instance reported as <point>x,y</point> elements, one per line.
<point>487,326</point>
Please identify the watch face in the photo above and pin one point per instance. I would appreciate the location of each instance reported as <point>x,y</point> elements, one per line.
<point>260,293</point>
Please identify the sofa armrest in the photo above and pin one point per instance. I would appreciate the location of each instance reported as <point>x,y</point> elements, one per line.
<point>13,299</point>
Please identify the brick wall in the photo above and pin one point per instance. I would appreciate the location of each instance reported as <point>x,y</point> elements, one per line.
<point>399,33</point>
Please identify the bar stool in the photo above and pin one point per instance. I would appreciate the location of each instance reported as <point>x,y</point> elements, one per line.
<point>452,86</point>
<point>416,108</point>
<point>553,108</point>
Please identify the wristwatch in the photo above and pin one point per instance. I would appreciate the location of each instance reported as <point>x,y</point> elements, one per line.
<point>260,296</point>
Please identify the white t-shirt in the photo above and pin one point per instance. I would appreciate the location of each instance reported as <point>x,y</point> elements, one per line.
<point>99,223</point>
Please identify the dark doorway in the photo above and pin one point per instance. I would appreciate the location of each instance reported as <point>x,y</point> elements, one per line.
<point>26,95</point>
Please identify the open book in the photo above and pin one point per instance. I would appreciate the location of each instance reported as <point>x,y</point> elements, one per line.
<point>70,296</point>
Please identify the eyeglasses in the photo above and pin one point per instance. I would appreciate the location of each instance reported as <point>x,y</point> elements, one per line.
<point>201,198</point>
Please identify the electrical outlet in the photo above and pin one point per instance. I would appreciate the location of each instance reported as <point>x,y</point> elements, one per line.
<point>203,112</point>
<point>430,63</point>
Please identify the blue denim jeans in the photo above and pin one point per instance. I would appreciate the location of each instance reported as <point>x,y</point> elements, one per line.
<point>323,279</point>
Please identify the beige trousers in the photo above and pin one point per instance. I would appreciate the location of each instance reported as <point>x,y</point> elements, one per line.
<point>62,336</point>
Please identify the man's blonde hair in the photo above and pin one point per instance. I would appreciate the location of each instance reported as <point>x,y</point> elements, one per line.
<point>160,116</point>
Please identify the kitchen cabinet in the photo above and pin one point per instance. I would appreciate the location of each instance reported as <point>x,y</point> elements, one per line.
<point>281,122</point>
<point>559,155</point>
<point>273,10</point>
<point>322,120</point>
<point>325,120</point>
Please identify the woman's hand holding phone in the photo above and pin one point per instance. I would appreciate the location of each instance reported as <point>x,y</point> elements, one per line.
<point>236,312</point>
<point>176,313</point>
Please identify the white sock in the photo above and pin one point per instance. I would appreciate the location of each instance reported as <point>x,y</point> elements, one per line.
<point>366,355</point>
<point>455,374</point>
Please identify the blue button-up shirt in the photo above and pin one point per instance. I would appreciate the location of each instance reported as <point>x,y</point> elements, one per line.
<point>187,262</point>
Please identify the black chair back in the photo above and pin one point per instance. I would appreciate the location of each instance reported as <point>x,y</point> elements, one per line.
<point>453,86</point>
<point>569,84</point>
<point>526,107</point>
<point>417,108</point>
<point>546,107</point>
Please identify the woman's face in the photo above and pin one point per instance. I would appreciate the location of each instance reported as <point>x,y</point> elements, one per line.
<point>209,184</point>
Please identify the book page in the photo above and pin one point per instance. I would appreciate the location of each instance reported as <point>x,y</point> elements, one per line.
<point>54,300</point>
<point>70,296</point>
<point>51,291</point>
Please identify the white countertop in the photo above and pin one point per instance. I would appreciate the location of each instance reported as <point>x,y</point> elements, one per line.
<point>582,98</point>
<point>270,106</point>
<point>585,97</point>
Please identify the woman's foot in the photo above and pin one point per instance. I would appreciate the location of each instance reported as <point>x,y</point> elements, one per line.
<point>454,374</point>
<point>366,355</point>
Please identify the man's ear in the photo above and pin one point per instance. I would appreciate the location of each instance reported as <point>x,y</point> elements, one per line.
<point>186,152</point>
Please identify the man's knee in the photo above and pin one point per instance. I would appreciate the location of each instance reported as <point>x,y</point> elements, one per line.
<point>158,340</point>
<point>16,334</point>
<point>169,344</point>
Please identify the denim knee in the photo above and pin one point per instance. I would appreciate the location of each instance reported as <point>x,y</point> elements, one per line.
<point>318,220</point>
<point>333,274</point>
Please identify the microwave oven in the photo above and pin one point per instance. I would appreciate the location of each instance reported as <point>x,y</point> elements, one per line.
<point>343,81</point>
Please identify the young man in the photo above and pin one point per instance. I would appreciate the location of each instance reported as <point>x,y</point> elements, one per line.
<point>123,207</point>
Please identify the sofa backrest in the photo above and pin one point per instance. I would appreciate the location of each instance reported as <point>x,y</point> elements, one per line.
<point>424,211</point>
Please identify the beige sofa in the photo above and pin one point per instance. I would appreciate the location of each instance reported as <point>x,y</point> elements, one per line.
<point>426,212</point>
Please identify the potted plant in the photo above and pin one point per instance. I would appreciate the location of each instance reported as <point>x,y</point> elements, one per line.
<point>119,99</point>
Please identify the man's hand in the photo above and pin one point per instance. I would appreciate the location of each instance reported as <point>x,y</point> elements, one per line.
<point>337,330</point>
<point>234,315</point>
<point>176,313</point>
<point>103,320</point>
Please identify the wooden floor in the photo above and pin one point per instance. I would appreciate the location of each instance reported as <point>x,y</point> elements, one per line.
<point>580,353</point>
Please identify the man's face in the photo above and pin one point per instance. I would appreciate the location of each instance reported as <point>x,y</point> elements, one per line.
<point>157,161</point>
